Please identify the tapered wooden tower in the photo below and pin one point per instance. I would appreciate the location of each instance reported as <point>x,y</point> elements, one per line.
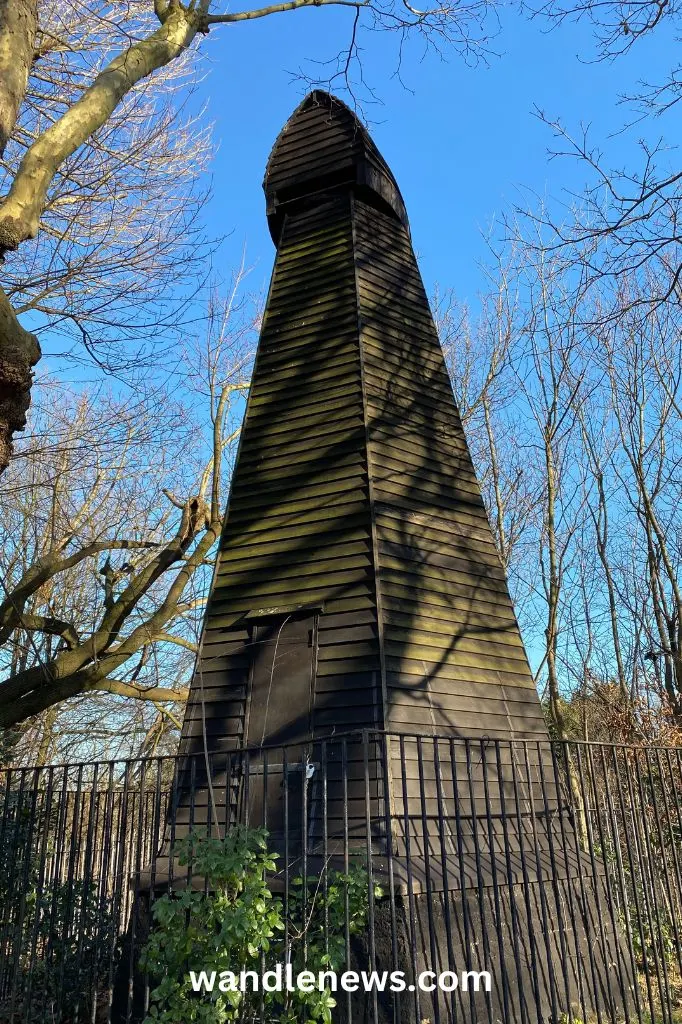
<point>358,587</point>
<point>356,539</point>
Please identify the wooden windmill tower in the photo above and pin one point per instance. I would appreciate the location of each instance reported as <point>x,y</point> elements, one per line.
<point>358,586</point>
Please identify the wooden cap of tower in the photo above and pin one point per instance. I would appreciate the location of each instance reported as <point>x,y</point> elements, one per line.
<point>323,147</point>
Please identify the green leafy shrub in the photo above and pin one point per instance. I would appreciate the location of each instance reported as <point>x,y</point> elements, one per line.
<point>60,950</point>
<point>236,923</point>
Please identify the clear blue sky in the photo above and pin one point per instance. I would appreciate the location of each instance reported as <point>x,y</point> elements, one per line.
<point>464,144</point>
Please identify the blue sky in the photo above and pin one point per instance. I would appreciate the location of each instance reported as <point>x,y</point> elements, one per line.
<point>463,143</point>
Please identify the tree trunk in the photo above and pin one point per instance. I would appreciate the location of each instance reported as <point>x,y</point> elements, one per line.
<point>18,23</point>
<point>19,352</point>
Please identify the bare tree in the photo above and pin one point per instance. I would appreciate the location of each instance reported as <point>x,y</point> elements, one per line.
<point>578,443</point>
<point>628,217</point>
<point>109,537</point>
<point>86,104</point>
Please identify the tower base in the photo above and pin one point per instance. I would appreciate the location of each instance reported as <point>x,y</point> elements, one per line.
<point>552,956</point>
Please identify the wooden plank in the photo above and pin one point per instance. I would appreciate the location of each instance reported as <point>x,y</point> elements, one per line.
<point>469,674</point>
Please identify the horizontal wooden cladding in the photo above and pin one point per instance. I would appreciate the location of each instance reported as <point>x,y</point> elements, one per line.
<point>398,716</point>
<point>416,484</point>
<point>336,595</point>
<point>310,174</point>
<point>361,679</point>
<point>391,268</point>
<point>318,252</point>
<point>318,564</point>
<point>377,288</point>
<point>282,437</point>
<point>306,241</point>
<point>313,375</point>
<point>320,215</point>
<point>373,223</point>
<point>352,488</point>
<point>471,582</point>
<point>384,241</point>
<point>403,516</point>
<point>414,344</point>
<point>309,168</point>
<point>426,399</point>
<point>406,419</point>
<point>425,479</point>
<point>344,698</point>
<point>229,725</point>
<point>340,666</point>
<point>465,636</point>
<point>310,131</point>
<point>309,320</point>
<point>404,394</point>
<point>399,328</point>
<point>496,710</point>
<point>329,156</point>
<point>507,755</point>
<point>312,353</point>
<point>444,445</point>
<point>300,459</point>
<point>476,563</point>
<point>318,123</point>
<point>388,263</point>
<point>228,592</point>
<point>307,233</point>
<point>301,277</point>
<point>423,363</point>
<point>400,592</point>
<point>294,556</point>
<point>333,630</point>
<point>318,423</point>
<point>453,479</point>
<point>389,489</point>
<point>416,655</point>
<point>401,319</point>
<point>479,671</point>
<point>345,479</point>
<point>491,694</point>
<point>448,537</point>
<point>420,364</point>
<point>289,542</point>
<point>469,650</point>
<point>302,398</point>
<point>297,339</point>
<point>458,625</point>
<point>388,276</point>
<point>416,598</point>
<point>366,718</point>
<point>261,487</point>
<point>322,512</point>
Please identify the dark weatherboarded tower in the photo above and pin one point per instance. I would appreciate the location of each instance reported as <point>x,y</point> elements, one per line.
<point>358,587</point>
<point>356,538</point>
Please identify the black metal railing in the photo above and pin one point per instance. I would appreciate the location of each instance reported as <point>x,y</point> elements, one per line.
<point>554,867</point>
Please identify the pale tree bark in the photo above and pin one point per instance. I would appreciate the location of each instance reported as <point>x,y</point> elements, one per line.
<point>18,24</point>
<point>19,350</point>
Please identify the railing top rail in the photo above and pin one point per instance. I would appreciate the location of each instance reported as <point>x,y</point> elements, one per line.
<point>127,765</point>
